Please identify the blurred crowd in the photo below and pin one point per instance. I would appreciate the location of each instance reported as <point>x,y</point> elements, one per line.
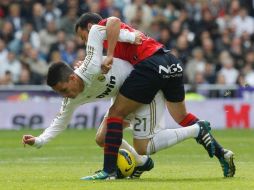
<point>214,38</point>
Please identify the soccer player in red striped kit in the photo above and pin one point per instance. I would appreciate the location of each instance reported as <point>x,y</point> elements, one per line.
<point>154,69</point>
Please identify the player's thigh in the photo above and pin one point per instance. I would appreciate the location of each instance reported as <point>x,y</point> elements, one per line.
<point>123,106</point>
<point>174,95</point>
<point>148,120</point>
<point>177,110</point>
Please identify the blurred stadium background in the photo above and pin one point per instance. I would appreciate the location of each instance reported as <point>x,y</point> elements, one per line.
<point>214,38</point>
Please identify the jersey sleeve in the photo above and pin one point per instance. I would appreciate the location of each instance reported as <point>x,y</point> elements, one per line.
<point>58,124</point>
<point>91,66</point>
<point>126,36</point>
<point>126,33</point>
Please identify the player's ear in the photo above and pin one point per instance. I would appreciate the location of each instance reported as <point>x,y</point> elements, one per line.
<point>89,26</point>
<point>72,77</point>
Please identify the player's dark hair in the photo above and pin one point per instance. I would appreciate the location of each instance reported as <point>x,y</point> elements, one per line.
<point>58,72</point>
<point>87,18</point>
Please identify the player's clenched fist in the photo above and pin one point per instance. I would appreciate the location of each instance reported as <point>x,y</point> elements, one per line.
<point>138,38</point>
<point>28,139</point>
<point>77,64</point>
<point>107,64</point>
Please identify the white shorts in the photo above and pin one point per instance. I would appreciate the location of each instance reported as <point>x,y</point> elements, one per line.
<point>148,119</point>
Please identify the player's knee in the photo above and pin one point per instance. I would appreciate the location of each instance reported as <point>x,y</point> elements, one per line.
<point>99,139</point>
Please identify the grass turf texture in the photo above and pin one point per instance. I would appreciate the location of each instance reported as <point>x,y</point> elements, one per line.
<point>74,154</point>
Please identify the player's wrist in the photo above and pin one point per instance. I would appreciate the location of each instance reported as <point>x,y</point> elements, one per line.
<point>132,37</point>
<point>37,142</point>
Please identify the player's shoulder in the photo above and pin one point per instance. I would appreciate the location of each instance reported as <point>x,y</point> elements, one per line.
<point>97,27</point>
<point>103,22</point>
<point>123,25</point>
<point>97,31</point>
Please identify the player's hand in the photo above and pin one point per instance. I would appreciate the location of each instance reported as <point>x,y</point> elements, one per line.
<point>77,64</point>
<point>138,38</point>
<point>107,64</point>
<point>28,139</point>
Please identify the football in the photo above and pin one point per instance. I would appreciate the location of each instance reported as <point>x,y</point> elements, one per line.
<point>125,163</point>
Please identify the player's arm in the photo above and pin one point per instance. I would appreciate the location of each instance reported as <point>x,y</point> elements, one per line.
<point>112,31</point>
<point>57,126</point>
<point>92,64</point>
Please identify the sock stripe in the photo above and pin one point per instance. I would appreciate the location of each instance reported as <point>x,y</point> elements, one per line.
<point>113,126</point>
<point>153,146</point>
<point>111,144</point>
<point>114,120</point>
<point>113,140</point>
<point>189,119</point>
<point>152,117</point>
<point>110,153</point>
<point>114,130</point>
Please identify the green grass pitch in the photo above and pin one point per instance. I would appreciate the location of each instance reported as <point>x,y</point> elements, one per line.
<point>74,154</point>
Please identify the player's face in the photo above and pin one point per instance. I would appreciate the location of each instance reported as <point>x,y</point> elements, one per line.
<point>83,34</point>
<point>69,89</point>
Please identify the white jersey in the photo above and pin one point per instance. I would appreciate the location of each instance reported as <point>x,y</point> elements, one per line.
<point>102,87</point>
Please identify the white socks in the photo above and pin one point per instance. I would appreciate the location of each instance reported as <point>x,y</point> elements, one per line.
<point>168,137</point>
<point>140,159</point>
<point>161,140</point>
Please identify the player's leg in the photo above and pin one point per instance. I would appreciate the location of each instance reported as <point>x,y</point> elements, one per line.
<point>149,130</point>
<point>165,139</point>
<point>178,112</point>
<point>113,137</point>
<point>100,138</point>
<point>225,157</point>
<point>139,88</point>
<point>173,90</point>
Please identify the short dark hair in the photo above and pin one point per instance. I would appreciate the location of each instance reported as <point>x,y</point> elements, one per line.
<point>58,72</point>
<point>87,18</point>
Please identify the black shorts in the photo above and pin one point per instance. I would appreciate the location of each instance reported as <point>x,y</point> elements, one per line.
<point>162,71</point>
